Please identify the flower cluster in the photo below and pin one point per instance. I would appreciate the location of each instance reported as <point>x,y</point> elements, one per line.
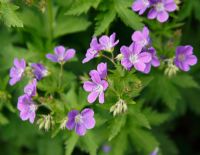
<point>26,105</point>
<point>158,8</point>
<point>105,43</point>
<point>140,54</point>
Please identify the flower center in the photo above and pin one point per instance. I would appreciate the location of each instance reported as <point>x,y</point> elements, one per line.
<point>33,107</point>
<point>98,88</point>
<point>78,119</point>
<point>45,72</point>
<point>133,58</point>
<point>20,72</point>
<point>93,52</point>
<point>143,42</point>
<point>160,7</point>
<point>181,57</point>
<point>146,2</point>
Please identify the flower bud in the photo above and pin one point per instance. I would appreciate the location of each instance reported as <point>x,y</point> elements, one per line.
<point>171,69</point>
<point>46,122</point>
<point>119,107</point>
<point>63,123</point>
<point>119,57</point>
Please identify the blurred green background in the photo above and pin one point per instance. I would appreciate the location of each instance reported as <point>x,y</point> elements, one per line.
<point>60,22</point>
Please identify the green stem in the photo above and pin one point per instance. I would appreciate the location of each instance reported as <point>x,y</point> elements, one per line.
<point>50,19</point>
<point>60,76</point>
<point>110,59</point>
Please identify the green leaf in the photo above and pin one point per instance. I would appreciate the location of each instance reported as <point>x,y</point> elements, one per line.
<point>155,118</point>
<point>103,21</point>
<point>141,119</point>
<point>71,143</point>
<point>70,24</point>
<point>89,143</point>
<point>130,18</point>
<point>82,6</point>
<point>116,126</point>
<point>185,81</point>
<point>143,140</point>
<point>120,144</point>
<point>3,119</point>
<point>9,15</point>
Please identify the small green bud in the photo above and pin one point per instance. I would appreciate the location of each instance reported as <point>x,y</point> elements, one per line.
<point>119,57</point>
<point>63,123</point>
<point>171,69</point>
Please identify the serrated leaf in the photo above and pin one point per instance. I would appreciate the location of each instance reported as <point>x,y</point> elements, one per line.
<point>154,117</point>
<point>185,81</point>
<point>103,21</point>
<point>82,6</point>
<point>143,140</point>
<point>71,143</point>
<point>9,15</point>
<point>70,24</point>
<point>116,126</point>
<point>129,18</point>
<point>89,143</point>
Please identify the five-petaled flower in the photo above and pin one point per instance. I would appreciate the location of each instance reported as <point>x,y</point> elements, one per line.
<point>185,58</point>
<point>96,87</point>
<point>93,51</point>
<point>61,54</point>
<point>39,70</point>
<point>141,6</point>
<point>17,71</point>
<point>160,10</point>
<point>81,121</point>
<point>132,57</point>
<point>108,42</point>
<point>31,88</point>
<point>27,108</point>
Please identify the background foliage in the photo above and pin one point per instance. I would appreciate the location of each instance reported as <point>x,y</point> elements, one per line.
<point>166,112</point>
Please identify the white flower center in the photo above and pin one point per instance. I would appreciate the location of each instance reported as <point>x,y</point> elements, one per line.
<point>98,88</point>
<point>20,72</point>
<point>181,57</point>
<point>45,72</point>
<point>29,91</point>
<point>78,119</point>
<point>93,52</point>
<point>143,42</point>
<point>133,58</point>
<point>146,2</point>
<point>160,7</point>
<point>33,107</point>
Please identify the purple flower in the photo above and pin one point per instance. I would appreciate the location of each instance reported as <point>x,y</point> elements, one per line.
<point>160,10</point>
<point>154,61</point>
<point>96,87</point>
<point>102,70</point>
<point>132,57</point>
<point>17,71</point>
<point>81,121</point>
<point>108,43</point>
<point>141,38</point>
<point>185,58</point>
<point>61,54</point>
<point>141,6</point>
<point>93,51</point>
<point>31,88</point>
<point>39,70</point>
<point>27,108</point>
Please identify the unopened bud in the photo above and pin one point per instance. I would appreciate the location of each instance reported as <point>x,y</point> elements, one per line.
<point>171,69</point>
<point>119,108</point>
<point>46,122</point>
<point>63,123</point>
<point>119,57</point>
